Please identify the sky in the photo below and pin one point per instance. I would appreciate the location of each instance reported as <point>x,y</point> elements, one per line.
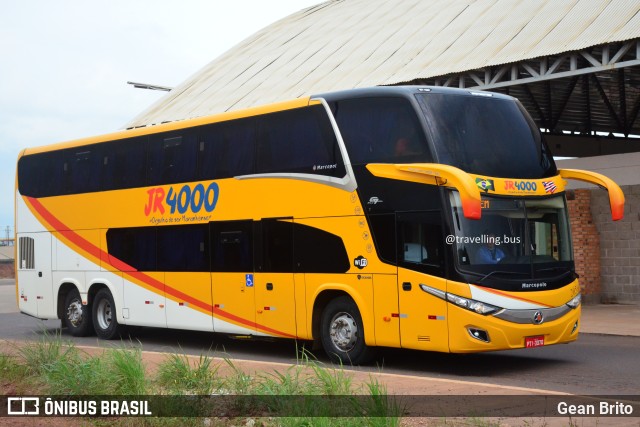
<point>64,65</point>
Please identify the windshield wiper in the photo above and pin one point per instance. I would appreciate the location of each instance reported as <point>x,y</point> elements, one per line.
<point>503,272</point>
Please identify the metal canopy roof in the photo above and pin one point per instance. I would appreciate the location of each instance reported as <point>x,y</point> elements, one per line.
<point>584,92</point>
<point>539,51</point>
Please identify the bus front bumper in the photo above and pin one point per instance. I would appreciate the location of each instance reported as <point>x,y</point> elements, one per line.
<point>470,332</point>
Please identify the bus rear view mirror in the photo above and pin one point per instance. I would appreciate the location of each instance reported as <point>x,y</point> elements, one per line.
<point>435,174</point>
<point>616,196</point>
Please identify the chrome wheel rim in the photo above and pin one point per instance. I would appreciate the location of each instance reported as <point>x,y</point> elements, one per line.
<point>104,314</point>
<point>74,313</point>
<point>343,331</point>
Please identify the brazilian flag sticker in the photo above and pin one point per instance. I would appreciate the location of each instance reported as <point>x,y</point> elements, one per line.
<point>485,184</point>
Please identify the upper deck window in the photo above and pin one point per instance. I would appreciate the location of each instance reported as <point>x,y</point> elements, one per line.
<point>300,140</point>
<point>486,136</point>
<point>381,130</point>
<point>172,157</point>
<point>227,149</point>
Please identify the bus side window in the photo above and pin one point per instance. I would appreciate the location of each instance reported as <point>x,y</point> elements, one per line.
<point>381,130</point>
<point>79,166</point>
<point>276,243</point>
<point>227,149</point>
<point>124,164</point>
<point>318,251</point>
<point>421,241</point>
<point>183,248</point>
<point>232,246</point>
<point>135,247</point>
<point>40,175</point>
<point>299,141</point>
<point>383,230</point>
<point>172,158</point>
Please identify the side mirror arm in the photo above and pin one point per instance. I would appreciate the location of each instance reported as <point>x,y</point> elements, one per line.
<point>435,174</point>
<point>616,196</point>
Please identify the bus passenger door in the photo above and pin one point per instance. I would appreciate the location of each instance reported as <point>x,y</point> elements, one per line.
<point>35,289</point>
<point>274,280</point>
<point>423,316</point>
<point>232,278</point>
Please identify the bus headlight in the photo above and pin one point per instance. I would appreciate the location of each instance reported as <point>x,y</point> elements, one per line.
<point>472,305</point>
<point>575,301</point>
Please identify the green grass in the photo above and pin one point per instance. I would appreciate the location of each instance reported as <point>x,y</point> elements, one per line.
<point>177,375</point>
<point>238,382</point>
<point>14,376</point>
<point>39,355</point>
<point>126,372</point>
<point>321,396</point>
<point>11,369</point>
<point>381,408</point>
<point>74,375</point>
<point>305,394</point>
<point>63,369</point>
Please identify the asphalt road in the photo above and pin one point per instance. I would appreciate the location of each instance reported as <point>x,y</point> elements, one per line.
<point>595,364</point>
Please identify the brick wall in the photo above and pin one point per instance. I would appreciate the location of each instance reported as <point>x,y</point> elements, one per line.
<point>619,246</point>
<point>7,271</point>
<point>586,244</point>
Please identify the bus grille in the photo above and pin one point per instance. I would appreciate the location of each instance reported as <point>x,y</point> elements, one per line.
<point>27,253</point>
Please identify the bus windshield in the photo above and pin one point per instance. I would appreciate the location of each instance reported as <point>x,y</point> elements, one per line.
<point>516,237</point>
<point>483,135</point>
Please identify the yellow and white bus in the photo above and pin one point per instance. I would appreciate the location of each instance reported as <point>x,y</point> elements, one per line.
<point>413,217</point>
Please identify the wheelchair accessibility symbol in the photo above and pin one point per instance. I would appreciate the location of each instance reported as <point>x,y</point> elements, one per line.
<point>249,280</point>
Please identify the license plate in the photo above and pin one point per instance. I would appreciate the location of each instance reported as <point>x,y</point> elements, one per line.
<point>531,342</point>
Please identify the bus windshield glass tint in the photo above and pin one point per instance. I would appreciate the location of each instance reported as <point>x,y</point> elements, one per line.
<point>522,238</point>
<point>484,135</point>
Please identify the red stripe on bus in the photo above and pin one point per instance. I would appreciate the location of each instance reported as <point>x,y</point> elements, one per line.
<point>249,323</point>
<point>128,270</point>
<point>58,226</point>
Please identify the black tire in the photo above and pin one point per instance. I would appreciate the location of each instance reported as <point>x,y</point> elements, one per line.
<point>77,317</point>
<point>105,321</point>
<point>342,333</point>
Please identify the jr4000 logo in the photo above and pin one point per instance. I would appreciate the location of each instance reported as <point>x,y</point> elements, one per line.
<point>182,200</point>
<point>520,185</point>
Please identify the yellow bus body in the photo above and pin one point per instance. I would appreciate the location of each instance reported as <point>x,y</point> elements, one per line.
<point>393,309</point>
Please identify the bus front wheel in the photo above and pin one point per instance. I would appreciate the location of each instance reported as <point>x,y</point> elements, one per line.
<point>77,317</point>
<point>342,333</point>
<point>105,322</point>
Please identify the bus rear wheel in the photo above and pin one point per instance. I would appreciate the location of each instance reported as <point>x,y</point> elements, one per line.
<point>105,322</point>
<point>77,317</point>
<point>342,333</point>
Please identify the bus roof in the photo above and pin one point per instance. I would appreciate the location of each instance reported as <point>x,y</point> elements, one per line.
<point>402,91</point>
<point>147,130</point>
<point>405,91</point>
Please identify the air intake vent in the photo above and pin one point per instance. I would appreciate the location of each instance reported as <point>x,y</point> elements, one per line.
<point>26,245</point>
<point>424,338</point>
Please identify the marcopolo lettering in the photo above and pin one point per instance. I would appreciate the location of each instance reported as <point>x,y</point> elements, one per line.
<point>325,167</point>
<point>538,285</point>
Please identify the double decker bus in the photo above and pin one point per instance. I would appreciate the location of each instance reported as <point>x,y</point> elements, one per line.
<point>415,217</point>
